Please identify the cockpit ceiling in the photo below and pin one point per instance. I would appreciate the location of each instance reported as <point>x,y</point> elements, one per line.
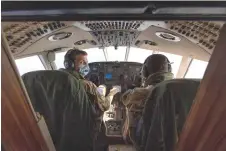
<point>196,38</point>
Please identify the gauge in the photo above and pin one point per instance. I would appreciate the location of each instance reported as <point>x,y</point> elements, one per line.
<point>137,69</point>
<point>109,69</point>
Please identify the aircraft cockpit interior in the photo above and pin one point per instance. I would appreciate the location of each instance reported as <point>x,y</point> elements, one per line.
<point>116,52</point>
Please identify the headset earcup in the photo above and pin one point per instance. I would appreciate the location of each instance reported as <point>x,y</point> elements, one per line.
<point>68,63</point>
<point>144,71</point>
<point>169,66</point>
<point>72,64</point>
<point>65,64</point>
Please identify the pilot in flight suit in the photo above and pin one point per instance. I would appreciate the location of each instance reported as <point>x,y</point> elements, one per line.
<point>76,63</point>
<point>156,69</point>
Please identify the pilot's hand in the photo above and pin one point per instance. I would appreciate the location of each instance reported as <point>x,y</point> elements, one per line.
<point>102,89</point>
<point>128,82</point>
<point>114,90</point>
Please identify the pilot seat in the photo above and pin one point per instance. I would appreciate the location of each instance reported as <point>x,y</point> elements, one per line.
<point>61,99</point>
<point>165,113</point>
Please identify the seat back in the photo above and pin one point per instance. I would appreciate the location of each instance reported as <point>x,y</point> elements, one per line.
<point>165,113</point>
<point>61,99</point>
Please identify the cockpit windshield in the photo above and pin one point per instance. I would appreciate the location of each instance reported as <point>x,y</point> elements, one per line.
<point>111,54</point>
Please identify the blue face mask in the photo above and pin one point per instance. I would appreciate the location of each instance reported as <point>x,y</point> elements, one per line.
<point>84,69</point>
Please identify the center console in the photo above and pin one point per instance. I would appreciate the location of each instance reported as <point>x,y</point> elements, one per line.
<point>111,74</point>
<point>114,117</point>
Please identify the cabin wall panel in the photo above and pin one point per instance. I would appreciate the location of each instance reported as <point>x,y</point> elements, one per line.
<point>205,128</point>
<point>20,131</point>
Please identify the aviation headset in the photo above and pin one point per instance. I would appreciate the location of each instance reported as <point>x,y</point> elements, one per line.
<point>69,58</point>
<point>155,63</point>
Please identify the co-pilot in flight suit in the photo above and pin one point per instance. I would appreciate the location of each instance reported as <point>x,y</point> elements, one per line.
<point>134,101</point>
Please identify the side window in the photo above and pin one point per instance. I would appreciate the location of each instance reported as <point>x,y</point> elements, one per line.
<point>29,64</point>
<point>196,69</point>
<point>59,60</point>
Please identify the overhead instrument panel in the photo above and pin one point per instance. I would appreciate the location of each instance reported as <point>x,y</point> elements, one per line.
<point>203,33</point>
<point>114,33</point>
<point>115,38</point>
<point>25,38</point>
<point>21,35</point>
<point>111,25</point>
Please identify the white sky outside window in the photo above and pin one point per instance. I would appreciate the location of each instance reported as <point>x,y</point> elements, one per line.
<point>175,60</point>
<point>116,54</point>
<point>138,54</point>
<point>59,59</point>
<point>196,69</point>
<point>95,55</point>
<point>29,64</point>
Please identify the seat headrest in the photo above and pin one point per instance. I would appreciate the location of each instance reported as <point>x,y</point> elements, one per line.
<point>49,75</point>
<point>46,73</point>
<point>175,82</point>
